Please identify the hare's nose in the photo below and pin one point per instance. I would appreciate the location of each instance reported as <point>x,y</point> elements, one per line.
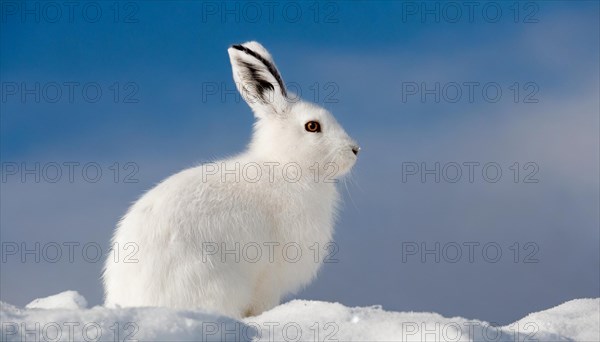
<point>355,150</point>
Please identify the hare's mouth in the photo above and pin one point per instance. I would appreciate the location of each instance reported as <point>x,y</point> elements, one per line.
<point>343,162</point>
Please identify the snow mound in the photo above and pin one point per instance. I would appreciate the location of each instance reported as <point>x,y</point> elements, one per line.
<point>104,324</point>
<point>64,300</point>
<point>578,319</point>
<point>64,317</point>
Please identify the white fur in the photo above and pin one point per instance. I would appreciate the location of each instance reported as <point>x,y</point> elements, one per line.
<point>169,228</point>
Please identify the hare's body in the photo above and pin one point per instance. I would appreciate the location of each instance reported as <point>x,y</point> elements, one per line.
<point>197,249</point>
<point>235,236</point>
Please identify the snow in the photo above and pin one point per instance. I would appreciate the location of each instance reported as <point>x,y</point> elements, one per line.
<point>65,317</point>
<point>63,300</point>
<point>579,319</point>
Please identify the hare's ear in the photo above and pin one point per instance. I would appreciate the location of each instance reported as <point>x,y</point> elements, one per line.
<point>257,79</point>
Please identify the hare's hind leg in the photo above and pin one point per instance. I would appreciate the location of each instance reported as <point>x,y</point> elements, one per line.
<point>261,305</point>
<point>265,296</point>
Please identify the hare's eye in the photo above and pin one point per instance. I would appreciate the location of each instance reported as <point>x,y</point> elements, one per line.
<point>313,127</point>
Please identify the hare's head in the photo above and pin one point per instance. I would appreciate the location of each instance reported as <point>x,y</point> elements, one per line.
<point>287,130</point>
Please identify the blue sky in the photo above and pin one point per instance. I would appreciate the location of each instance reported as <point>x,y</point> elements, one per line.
<point>360,58</point>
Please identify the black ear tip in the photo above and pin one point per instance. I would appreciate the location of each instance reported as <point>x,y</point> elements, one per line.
<point>266,63</point>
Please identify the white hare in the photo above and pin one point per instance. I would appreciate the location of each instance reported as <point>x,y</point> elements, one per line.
<point>236,235</point>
